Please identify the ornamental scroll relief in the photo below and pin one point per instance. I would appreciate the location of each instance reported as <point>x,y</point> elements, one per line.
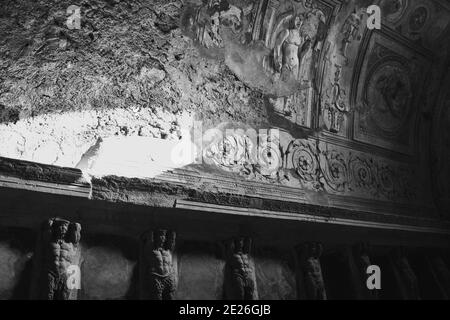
<point>276,157</point>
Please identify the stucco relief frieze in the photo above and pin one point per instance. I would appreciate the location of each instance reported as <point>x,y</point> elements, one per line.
<point>278,158</point>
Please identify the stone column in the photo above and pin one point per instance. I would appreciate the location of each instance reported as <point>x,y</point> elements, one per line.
<point>57,259</point>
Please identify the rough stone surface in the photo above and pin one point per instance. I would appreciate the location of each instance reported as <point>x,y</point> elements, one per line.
<point>109,268</point>
<point>202,271</point>
<point>129,70</point>
<point>275,280</point>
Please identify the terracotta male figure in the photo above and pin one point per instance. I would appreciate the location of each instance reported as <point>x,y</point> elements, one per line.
<point>61,257</point>
<point>312,271</point>
<point>159,272</point>
<point>240,281</point>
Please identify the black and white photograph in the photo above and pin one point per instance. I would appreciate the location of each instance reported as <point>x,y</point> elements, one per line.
<point>247,151</point>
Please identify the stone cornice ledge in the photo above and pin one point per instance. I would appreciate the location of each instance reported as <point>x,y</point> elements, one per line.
<point>24,175</point>
<point>31,176</point>
<point>152,192</point>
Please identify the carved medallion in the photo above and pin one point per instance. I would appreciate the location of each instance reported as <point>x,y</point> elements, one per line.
<point>389,95</point>
<point>393,10</point>
<point>303,158</point>
<point>361,172</point>
<point>387,99</point>
<point>334,170</point>
<point>418,19</point>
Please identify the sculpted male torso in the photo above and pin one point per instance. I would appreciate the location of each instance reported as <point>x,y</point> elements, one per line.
<point>315,287</point>
<point>241,279</point>
<point>160,272</point>
<point>62,255</point>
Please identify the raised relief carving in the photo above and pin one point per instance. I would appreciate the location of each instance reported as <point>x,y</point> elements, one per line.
<point>350,31</point>
<point>389,93</point>
<point>295,35</point>
<point>361,173</point>
<point>334,170</point>
<point>58,260</point>
<point>204,22</point>
<point>388,96</point>
<point>309,164</point>
<point>361,253</point>
<point>302,156</point>
<point>158,275</point>
<point>247,153</point>
<point>233,152</point>
<point>295,38</point>
<point>273,46</point>
<point>341,50</point>
<point>393,10</point>
<point>240,281</point>
<point>290,47</point>
<point>417,20</point>
<point>335,103</point>
<point>310,272</point>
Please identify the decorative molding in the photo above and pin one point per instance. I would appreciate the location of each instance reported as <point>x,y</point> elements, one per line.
<point>308,218</point>
<point>225,188</point>
<point>312,165</point>
<point>73,190</point>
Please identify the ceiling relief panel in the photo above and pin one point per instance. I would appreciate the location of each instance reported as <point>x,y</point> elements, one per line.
<point>273,46</point>
<point>320,68</point>
<point>341,52</point>
<point>394,10</point>
<point>389,89</point>
<point>295,36</point>
<point>422,21</point>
